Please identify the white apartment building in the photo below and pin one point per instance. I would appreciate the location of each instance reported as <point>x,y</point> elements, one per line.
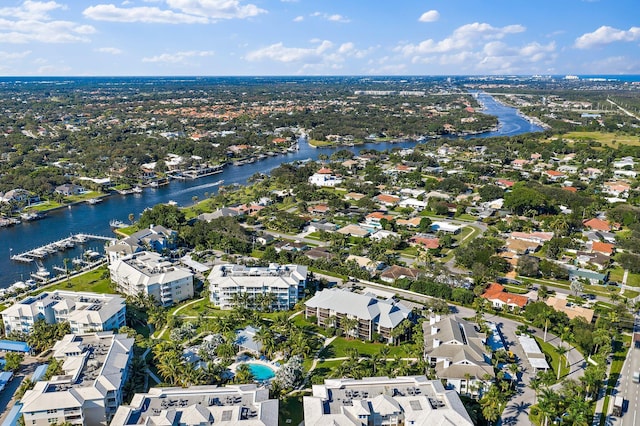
<point>284,284</point>
<point>86,312</point>
<point>95,368</point>
<point>381,401</point>
<point>201,405</point>
<point>153,275</point>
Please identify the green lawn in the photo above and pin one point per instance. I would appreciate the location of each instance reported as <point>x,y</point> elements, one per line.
<point>552,357</point>
<point>290,411</point>
<point>605,138</point>
<point>617,273</point>
<point>84,197</point>
<point>43,206</point>
<point>202,308</point>
<point>341,346</point>
<point>91,281</point>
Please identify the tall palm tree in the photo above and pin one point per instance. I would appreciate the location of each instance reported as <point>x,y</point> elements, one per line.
<point>561,350</point>
<point>349,326</point>
<point>491,403</point>
<point>548,404</point>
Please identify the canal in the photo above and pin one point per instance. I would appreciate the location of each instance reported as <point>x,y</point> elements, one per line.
<point>94,219</point>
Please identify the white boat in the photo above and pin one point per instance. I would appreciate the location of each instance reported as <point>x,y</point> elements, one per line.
<point>93,201</point>
<point>137,190</point>
<point>154,184</point>
<point>172,203</point>
<point>117,224</point>
<point>220,182</point>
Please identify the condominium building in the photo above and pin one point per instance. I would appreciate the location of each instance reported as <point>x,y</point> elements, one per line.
<point>89,391</point>
<point>457,352</point>
<point>332,306</point>
<point>381,401</point>
<point>200,405</point>
<point>153,275</point>
<point>86,312</point>
<point>282,285</point>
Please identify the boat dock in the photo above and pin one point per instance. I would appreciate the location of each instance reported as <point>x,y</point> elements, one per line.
<point>56,246</point>
<point>199,172</point>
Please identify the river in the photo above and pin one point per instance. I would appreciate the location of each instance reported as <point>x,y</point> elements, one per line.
<point>94,219</point>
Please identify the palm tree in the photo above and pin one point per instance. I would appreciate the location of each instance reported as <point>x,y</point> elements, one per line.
<point>546,316</point>
<point>548,404</point>
<point>349,326</point>
<point>561,350</point>
<point>243,374</point>
<point>491,403</point>
<point>266,337</point>
<point>132,217</point>
<point>66,268</point>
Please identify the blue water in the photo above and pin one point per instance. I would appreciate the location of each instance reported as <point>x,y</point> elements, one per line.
<point>94,219</point>
<point>261,372</point>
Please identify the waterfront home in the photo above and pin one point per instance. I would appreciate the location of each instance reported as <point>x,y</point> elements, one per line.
<point>458,353</point>
<point>69,189</point>
<point>396,272</point>
<point>95,368</point>
<point>156,238</point>
<point>19,196</point>
<point>83,311</point>
<point>373,315</point>
<point>154,276</point>
<point>408,400</point>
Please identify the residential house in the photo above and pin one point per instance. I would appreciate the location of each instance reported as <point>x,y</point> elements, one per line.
<point>426,241</point>
<point>554,175</point>
<point>456,351</point>
<point>381,401</point>
<point>446,227</point>
<point>496,294</point>
<point>374,316</point>
<point>284,284</point>
<point>154,276</point>
<point>604,248</point>
<point>374,220</point>
<point>319,209</point>
<point>20,196</point>
<point>382,234</point>
<point>316,253</point>
<point>355,196</point>
<point>572,310</point>
<point>387,200</point>
<point>624,162</point>
<point>365,263</point>
<point>95,368</point>
<point>155,238</point>
<point>414,222</point>
<point>395,272</point>
<point>413,203</point>
<point>597,224</point>
<point>592,277</point>
<point>325,178</point>
<point>69,189</point>
<point>354,230</point>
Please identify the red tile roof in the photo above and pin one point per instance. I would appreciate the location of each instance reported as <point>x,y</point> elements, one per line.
<point>606,248</point>
<point>496,291</point>
<point>597,224</point>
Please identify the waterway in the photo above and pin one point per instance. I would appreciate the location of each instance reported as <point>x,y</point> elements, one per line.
<point>94,219</point>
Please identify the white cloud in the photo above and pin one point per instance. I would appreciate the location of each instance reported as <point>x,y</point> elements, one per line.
<point>11,56</point>
<point>606,35</point>
<point>31,10</point>
<point>109,50</point>
<point>174,58</point>
<point>429,16</point>
<point>31,22</point>
<point>144,14</point>
<point>216,9</point>
<point>298,19</point>
<point>329,17</point>
<point>179,12</point>
<point>280,53</point>
<point>464,37</point>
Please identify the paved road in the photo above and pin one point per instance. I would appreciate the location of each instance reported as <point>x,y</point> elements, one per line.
<point>627,389</point>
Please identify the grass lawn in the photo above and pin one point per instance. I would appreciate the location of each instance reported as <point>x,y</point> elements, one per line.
<point>552,357</point>
<point>257,254</point>
<point>43,206</point>
<point>605,138</point>
<point>203,308</point>
<point>91,281</point>
<point>317,143</point>
<point>341,346</point>
<point>323,368</point>
<point>617,273</point>
<point>301,321</point>
<point>290,411</point>
<point>84,197</point>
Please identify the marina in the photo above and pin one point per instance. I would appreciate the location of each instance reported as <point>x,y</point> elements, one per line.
<point>41,252</point>
<point>95,219</point>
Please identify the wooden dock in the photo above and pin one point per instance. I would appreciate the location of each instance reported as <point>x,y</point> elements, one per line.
<point>56,246</point>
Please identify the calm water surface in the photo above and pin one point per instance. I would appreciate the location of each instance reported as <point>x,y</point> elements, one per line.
<point>94,219</point>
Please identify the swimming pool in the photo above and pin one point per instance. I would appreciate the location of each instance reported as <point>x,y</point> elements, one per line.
<point>261,372</point>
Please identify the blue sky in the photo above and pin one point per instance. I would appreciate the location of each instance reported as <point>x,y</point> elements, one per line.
<point>318,37</point>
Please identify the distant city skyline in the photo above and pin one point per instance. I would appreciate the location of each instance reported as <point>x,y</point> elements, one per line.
<point>305,37</point>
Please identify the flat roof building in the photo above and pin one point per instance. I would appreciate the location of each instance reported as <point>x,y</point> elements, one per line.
<point>235,405</point>
<point>86,312</point>
<point>282,286</point>
<point>153,275</point>
<point>95,368</point>
<point>411,400</point>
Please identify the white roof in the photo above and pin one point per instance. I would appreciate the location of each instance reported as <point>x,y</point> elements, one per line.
<point>387,313</point>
